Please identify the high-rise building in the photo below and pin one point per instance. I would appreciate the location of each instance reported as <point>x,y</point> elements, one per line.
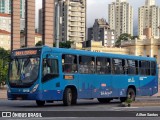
<point>121,17</point>
<point>5,7</point>
<point>150,2</point>
<point>149,18</point>
<point>72,20</point>
<point>101,32</point>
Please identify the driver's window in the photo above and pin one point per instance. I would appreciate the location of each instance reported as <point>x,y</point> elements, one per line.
<point>46,67</point>
<point>50,69</point>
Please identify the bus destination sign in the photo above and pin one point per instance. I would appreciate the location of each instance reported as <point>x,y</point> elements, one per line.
<point>26,52</point>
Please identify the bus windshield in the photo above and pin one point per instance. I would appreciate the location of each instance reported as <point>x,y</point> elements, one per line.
<point>23,70</point>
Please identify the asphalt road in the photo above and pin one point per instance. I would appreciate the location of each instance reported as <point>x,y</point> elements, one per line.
<point>85,108</point>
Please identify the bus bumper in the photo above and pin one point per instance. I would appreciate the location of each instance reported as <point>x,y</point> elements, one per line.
<point>39,95</point>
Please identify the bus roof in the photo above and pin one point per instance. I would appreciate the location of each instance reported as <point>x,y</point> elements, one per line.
<point>99,54</point>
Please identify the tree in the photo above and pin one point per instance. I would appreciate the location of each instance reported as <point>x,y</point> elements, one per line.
<point>123,37</point>
<point>39,43</point>
<point>4,58</point>
<point>66,44</point>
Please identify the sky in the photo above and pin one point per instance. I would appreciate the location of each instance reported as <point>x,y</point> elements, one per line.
<point>99,9</point>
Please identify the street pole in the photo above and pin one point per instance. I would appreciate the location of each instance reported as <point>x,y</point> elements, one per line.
<point>57,23</point>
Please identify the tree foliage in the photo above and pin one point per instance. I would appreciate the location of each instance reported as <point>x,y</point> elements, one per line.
<point>123,37</point>
<point>39,43</point>
<point>66,44</point>
<point>4,58</point>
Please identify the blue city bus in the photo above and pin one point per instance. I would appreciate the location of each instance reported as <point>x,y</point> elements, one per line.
<point>47,74</point>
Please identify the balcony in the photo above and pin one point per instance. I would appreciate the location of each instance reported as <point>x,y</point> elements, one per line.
<point>74,15</point>
<point>74,4</point>
<point>75,10</point>
<point>76,35</point>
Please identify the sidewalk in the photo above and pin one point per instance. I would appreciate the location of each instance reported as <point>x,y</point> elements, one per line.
<point>3,94</point>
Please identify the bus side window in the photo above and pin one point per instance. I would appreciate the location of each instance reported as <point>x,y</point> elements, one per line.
<point>147,67</point>
<point>50,69</point>
<point>69,63</point>
<point>86,65</point>
<point>118,66</point>
<point>153,68</point>
<point>108,66</point>
<point>103,65</point>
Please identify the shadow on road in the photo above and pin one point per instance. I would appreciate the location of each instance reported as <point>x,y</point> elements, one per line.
<point>57,104</point>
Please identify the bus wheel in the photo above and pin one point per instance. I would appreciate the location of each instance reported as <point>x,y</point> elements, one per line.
<point>131,94</point>
<point>40,103</point>
<point>104,100</point>
<point>74,98</point>
<point>67,97</point>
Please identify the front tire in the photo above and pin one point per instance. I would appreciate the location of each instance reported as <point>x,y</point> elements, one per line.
<point>40,103</point>
<point>67,97</point>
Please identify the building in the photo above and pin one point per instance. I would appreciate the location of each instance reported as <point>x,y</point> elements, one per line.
<point>5,7</point>
<point>96,46</point>
<point>149,19</point>
<point>40,21</point>
<point>145,47</point>
<point>38,37</point>
<point>5,22</point>
<point>120,17</point>
<point>72,20</point>
<point>101,32</point>
<point>5,39</point>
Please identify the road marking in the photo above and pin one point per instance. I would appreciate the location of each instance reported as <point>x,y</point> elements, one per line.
<point>122,108</point>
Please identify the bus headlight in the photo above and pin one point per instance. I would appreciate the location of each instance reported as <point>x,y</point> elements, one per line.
<point>34,88</point>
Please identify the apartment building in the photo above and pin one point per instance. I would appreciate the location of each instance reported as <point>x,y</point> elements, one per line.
<point>149,18</point>
<point>120,17</point>
<point>101,32</point>
<point>71,16</point>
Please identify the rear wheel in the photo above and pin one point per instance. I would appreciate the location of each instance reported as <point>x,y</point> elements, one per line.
<point>104,100</point>
<point>131,94</point>
<point>67,97</point>
<point>40,103</point>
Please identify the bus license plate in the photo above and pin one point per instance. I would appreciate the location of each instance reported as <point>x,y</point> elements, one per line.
<point>19,98</point>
